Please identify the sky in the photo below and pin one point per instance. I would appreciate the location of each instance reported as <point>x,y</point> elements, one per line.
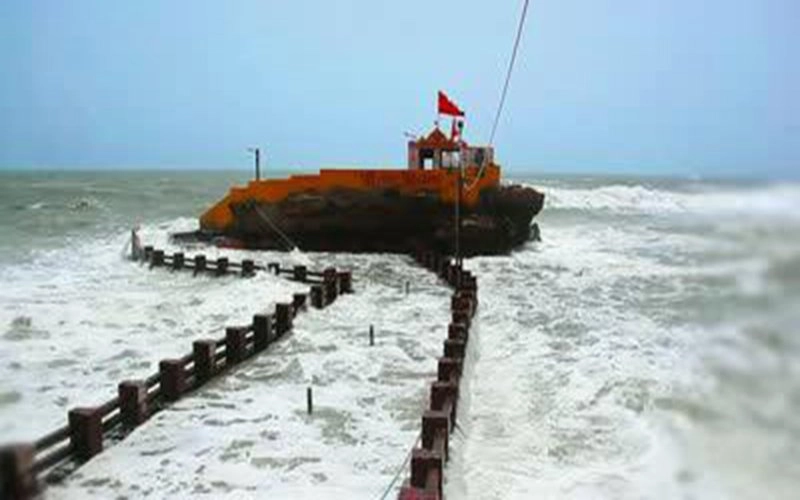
<point>655,87</point>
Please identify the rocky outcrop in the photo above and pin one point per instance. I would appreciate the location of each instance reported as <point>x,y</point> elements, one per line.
<point>385,221</point>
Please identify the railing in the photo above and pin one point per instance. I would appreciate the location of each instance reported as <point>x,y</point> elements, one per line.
<point>222,266</point>
<point>23,467</point>
<point>427,461</point>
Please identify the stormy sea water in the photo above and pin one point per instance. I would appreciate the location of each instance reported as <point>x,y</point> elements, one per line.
<point>646,348</point>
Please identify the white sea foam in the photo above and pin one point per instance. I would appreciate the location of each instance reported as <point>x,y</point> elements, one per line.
<point>566,372</point>
<point>639,357</point>
<point>780,200</point>
<point>591,376</point>
<point>95,319</point>
<point>248,435</point>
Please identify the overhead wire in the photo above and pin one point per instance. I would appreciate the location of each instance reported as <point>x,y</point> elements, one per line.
<point>510,70</point>
<point>291,245</point>
<point>504,93</point>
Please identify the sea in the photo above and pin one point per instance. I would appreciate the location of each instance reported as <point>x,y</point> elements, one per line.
<point>647,347</point>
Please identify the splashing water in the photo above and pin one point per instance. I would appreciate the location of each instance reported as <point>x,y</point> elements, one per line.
<point>646,348</point>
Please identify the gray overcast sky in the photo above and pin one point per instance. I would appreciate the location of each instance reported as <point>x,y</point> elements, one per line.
<point>633,86</point>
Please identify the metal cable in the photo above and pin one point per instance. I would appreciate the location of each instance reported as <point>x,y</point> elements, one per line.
<point>402,466</point>
<point>505,90</point>
<point>510,69</point>
<point>264,217</point>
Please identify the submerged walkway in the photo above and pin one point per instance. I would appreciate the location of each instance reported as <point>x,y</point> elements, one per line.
<point>248,434</point>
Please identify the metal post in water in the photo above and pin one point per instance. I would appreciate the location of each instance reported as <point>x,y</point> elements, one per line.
<point>371,335</point>
<point>309,401</point>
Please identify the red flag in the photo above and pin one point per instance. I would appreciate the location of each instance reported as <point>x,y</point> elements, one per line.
<point>448,107</point>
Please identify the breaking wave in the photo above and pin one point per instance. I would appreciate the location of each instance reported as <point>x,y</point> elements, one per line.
<point>781,200</point>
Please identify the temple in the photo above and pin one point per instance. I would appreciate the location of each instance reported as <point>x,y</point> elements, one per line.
<point>438,151</point>
<point>382,209</point>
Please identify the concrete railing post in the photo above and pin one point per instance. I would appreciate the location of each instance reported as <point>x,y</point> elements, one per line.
<point>331,283</point>
<point>452,275</point>
<point>448,369</point>
<point>248,268</point>
<point>173,379</point>
<point>300,273</point>
<point>222,266</point>
<point>200,263</point>
<point>86,432</point>
<point>178,260</point>
<point>157,259</point>
<point>204,353</point>
<point>422,463</point>
<point>441,393</point>
<point>469,283</point>
<point>469,295</point>
<point>132,402</point>
<point>457,331</point>
<point>462,301</point>
<point>454,348</point>
<point>262,331</point>
<point>461,316</point>
<point>283,318</point>
<point>17,477</point>
<point>435,423</point>
<point>234,344</point>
